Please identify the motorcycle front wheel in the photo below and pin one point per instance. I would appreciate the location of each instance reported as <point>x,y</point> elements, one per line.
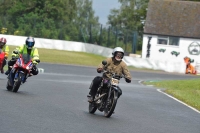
<point>92,108</point>
<point>110,107</point>
<point>9,88</point>
<point>17,83</point>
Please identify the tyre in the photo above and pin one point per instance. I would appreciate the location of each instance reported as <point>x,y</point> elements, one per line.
<point>9,88</point>
<point>112,104</point>
<point>92,108</point>
<point>17,84</point>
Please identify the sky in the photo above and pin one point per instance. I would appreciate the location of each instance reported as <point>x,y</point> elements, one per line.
<point>102,9</point>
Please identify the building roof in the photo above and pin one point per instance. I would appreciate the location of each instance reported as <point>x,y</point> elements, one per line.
<point>173,18</point>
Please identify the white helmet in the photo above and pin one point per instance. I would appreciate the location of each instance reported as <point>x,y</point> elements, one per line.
<point>117,49</point>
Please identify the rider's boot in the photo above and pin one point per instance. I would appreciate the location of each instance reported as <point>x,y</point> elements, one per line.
<point>30,75</point>
<point>2,71</point>
<point>90,98</point>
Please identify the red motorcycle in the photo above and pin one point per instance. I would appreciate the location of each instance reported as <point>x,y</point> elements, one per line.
<point>21,70</point>
<point>2,56</point>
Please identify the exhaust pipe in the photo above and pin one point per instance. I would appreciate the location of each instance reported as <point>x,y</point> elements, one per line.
<point>99,97</point>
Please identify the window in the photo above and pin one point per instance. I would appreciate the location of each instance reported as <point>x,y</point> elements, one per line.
<point>165,40</point>
<point>162,40</point>
<point>174,41</point>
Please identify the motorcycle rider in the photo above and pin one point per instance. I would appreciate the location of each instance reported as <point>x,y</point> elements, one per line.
<point>115,65</point>
<point>29,49</point>
<point>5,49</point>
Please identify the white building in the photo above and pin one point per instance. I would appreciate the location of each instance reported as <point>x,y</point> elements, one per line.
<point>172,31</point>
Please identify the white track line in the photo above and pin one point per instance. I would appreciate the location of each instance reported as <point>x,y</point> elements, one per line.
<point>140,82</point>
<point>178,101</point>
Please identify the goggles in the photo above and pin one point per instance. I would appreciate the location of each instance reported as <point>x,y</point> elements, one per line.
<point>119,55</point>
<point>30,44</point>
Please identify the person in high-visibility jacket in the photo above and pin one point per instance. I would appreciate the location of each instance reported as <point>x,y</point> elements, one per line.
<point>5,49</point>
<point>29,49</point>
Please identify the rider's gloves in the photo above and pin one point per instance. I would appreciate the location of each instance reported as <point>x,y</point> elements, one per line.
<point>128,80</point>
<point>14,56</point>
<point>34,62</point>
<point>99,70</point>
<point>15,52</point>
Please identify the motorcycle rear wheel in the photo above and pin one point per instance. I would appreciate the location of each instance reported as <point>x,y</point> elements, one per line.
<point>108,111</point>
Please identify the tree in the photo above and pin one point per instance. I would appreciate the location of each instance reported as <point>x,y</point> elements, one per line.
<point>129,17</point>
<point>46,18</point>
<point>55,19</point>
<point>86,21</point>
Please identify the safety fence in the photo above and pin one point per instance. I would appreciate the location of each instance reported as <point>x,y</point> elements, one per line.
<point>165,65</point>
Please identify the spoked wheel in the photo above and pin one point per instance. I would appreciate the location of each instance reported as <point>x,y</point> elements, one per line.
<point>92,108</point>
<point>110,107</point>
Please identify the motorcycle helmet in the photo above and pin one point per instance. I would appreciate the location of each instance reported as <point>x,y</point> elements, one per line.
<point>30,42</point>
<point>2,42</point>
<point>120,52</point>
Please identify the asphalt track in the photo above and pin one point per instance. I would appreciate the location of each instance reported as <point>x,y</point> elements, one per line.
<point>55,102</point>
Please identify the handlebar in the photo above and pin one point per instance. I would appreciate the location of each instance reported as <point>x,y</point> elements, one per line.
<point>38,61</point>
<point>104,63</point>
<point>113,74</point>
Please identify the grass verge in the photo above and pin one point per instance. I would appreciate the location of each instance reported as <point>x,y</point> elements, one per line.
<point>69,57</point>
<point>187,91</point>
<point>66,57</point>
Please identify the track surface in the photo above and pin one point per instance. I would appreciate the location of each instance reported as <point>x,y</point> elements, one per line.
<point>56,102</point>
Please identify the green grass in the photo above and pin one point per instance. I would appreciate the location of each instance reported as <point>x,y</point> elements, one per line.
<point>69,57</point>
<point>187,91</point>
<point>66,57</point>
<point>139,52</point>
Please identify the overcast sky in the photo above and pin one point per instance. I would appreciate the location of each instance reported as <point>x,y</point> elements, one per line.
<point>102,9</point>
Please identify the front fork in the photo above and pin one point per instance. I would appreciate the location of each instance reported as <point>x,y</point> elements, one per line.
<point>108,98</point>
<point>116,90</point>
<point>14,74</point>
<point>11,76</point>
<point>22,76</point>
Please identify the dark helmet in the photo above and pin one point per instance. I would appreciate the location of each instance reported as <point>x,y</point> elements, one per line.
<point>30,42</point>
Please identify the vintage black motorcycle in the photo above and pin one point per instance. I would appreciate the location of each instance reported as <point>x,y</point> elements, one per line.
<point>107,94</point>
